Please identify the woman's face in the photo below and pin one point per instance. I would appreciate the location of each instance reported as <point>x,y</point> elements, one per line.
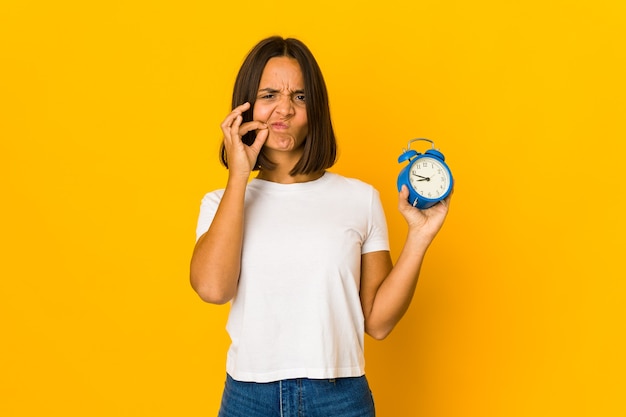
<point>281,103</point>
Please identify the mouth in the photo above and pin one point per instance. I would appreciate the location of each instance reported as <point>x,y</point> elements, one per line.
<point>279,126</point>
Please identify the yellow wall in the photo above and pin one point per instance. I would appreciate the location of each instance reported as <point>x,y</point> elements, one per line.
<point>109,128</point>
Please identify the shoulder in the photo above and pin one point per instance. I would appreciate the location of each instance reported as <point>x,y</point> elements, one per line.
<point>212,197</point>
<point>354,188</point>
<point>354,193</point>
<point>352,183</point>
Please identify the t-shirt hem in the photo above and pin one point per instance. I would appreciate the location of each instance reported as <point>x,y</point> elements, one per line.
<point>375,247</point>
<point>296,373</point>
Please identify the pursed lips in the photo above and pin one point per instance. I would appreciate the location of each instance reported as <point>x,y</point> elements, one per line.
<point>279,126</point>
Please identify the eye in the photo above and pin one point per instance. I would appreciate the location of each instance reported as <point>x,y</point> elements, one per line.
<point>300,97</point>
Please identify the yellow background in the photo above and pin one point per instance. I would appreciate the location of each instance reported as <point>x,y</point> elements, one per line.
<point>109,127</point>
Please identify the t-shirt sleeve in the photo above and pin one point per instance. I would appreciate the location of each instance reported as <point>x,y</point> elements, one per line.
<point>208,208</point>
<point>377,235</point>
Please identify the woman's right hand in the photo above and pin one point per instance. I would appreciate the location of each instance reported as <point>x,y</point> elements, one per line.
<point>241,157</point>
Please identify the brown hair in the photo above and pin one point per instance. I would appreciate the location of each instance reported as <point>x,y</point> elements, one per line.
<point>320,146</point>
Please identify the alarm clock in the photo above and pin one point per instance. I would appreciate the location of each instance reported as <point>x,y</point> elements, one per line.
<point>426,175</point>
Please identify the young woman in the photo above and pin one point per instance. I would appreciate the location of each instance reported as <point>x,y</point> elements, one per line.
<point>302,254</point>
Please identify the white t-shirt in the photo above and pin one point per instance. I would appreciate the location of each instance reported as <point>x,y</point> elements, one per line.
<point>297,311</point>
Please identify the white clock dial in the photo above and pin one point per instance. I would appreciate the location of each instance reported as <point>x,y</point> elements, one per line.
<point>429,178</point>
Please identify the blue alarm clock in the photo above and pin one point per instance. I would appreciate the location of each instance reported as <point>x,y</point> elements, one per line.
<point>426,175</point>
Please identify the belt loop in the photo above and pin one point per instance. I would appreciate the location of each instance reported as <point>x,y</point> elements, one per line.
<point>280,393</point>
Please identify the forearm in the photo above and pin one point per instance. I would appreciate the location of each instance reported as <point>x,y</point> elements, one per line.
<point>216,260</point>
<point>395,293</point>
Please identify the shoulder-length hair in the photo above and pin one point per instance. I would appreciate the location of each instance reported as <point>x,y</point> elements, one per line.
<point>320,146</point>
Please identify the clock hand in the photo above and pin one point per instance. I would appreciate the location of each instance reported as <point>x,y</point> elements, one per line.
<point>422,178</point>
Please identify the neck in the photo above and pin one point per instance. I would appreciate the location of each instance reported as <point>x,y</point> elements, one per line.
<point>285,161</point>
<point>282,176</point>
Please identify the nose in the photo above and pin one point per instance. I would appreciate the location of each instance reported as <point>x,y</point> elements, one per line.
<point>285,106</point>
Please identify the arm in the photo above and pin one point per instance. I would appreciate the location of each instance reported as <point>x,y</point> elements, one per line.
<point>387,290</point>
<point>216,259</point>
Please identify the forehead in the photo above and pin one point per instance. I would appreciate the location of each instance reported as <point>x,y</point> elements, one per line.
<point>282,70</point>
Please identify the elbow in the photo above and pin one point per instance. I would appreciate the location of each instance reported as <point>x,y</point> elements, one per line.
<point>210,294</point>
<point>378,333</point>
<point>213,297</point>
<point>210,285</point>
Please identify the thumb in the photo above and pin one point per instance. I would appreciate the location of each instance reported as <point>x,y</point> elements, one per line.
<point>403,197</point>
<point>404,193</point>
<point>260,139</point>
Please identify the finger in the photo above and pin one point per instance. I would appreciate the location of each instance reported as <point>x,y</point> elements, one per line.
<point>232,116</point>
<point>242,107</point>
<point>239,110</point>
<point>231,131</point>
<point>446,201</point>
<point>234,127</point>
<point>249,126</point>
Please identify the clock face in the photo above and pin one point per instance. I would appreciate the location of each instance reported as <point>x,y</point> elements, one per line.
<point>429,178</point>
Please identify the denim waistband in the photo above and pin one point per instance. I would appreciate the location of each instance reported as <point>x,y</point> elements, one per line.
<point>300,397</point>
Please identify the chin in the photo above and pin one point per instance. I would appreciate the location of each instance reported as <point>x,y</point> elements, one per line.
<point>277,144</point>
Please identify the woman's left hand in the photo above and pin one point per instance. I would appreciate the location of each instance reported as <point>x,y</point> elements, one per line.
<point>426,222</point>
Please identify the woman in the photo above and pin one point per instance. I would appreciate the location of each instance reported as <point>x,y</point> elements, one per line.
<point>301,253</point>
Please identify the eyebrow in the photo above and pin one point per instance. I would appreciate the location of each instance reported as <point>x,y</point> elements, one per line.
<point>273,90</point>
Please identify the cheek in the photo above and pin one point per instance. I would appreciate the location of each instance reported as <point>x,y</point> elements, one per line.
<point>305,124</point>
<point>261,112</point>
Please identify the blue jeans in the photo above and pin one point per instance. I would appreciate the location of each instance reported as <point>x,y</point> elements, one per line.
<point>302,397</point>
